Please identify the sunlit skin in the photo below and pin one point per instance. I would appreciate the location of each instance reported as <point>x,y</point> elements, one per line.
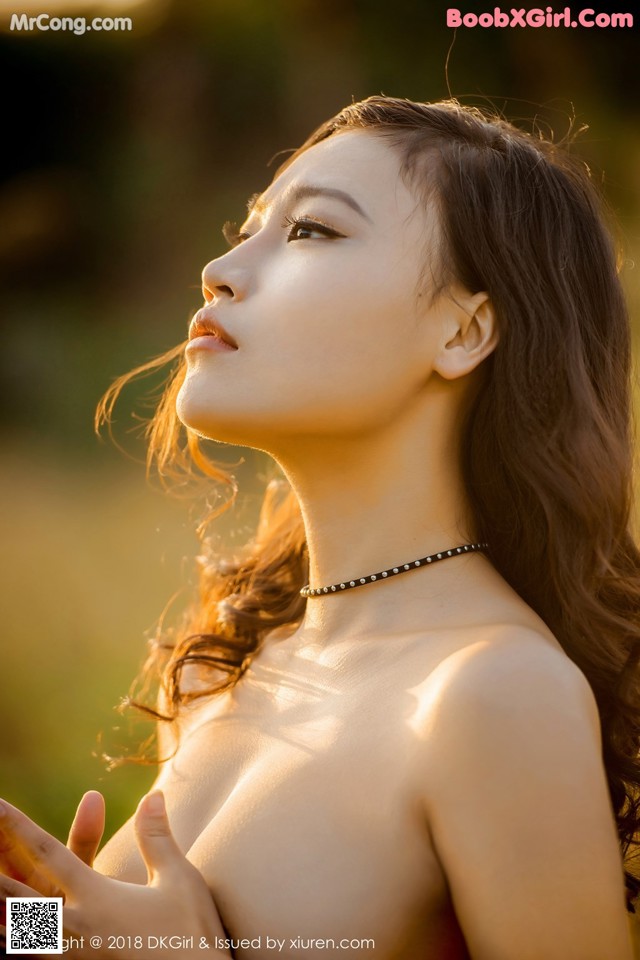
<point>405,765</point>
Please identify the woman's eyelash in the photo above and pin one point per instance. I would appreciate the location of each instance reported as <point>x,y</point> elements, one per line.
<point>307,224</point>
<point>233,236</point>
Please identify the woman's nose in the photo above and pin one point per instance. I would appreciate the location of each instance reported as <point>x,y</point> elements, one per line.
<point>214,285</point>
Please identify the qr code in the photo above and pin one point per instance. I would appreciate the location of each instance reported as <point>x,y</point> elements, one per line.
<point>34,925</point>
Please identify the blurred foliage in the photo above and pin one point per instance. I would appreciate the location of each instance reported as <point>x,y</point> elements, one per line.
<point>124,153</point>
<point>129,150</point>
<point>90,556</point>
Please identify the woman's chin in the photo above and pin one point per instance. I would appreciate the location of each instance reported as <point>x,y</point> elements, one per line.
<point>196,416</point>
<point>220,426</point>
<point>211,429</point>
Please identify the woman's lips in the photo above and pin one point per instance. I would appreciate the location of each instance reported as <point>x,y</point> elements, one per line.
<point>209,341</point>
<point>205,326</point>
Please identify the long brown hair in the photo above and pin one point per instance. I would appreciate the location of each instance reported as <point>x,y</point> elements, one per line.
<point>547,444</point>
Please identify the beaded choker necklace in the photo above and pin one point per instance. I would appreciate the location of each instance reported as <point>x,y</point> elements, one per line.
<point>308,591</point>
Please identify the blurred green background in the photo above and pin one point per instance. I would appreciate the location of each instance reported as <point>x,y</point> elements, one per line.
<point>123,155</point>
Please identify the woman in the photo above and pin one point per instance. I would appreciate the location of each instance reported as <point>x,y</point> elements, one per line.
<point>432,749</point>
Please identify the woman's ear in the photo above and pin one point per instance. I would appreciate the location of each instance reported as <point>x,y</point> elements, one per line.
<point>470,333</point>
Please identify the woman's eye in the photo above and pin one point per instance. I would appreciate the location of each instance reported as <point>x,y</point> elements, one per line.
<point>306,226</point>
<point>303,226</point>
<point>232,235</point>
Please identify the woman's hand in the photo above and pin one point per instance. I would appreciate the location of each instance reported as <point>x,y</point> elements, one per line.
<point>84,839</point>
<point>130,919</point>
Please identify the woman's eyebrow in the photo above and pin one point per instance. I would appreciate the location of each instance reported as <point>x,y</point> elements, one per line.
<point>303,190</point>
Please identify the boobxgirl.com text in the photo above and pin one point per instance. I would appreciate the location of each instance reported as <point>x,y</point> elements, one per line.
<point>538,17</point>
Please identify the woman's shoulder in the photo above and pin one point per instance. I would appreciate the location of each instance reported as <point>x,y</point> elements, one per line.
<point>201,703</point>
<point>514,793</point>
<point>500,647</point>
<point>510,665</point>
<point>508,689</point>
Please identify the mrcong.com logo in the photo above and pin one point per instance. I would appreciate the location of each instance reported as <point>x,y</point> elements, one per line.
<point>539,17</point>
<point>44,22</point>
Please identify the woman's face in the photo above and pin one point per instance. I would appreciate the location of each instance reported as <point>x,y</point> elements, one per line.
<point>320,298</point>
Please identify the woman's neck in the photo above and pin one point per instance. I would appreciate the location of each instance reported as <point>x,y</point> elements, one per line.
<point>371,502</point>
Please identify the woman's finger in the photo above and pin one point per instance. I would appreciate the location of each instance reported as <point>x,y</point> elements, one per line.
<point>18,866</point>
<point>159,850</point>
<point>87,827</point>
<point>47,854</point>
<point>13,860</point>
<point>13,888</point>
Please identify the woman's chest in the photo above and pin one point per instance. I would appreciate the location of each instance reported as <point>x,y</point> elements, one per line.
<point>324,846</point>
<point>304,816</point>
